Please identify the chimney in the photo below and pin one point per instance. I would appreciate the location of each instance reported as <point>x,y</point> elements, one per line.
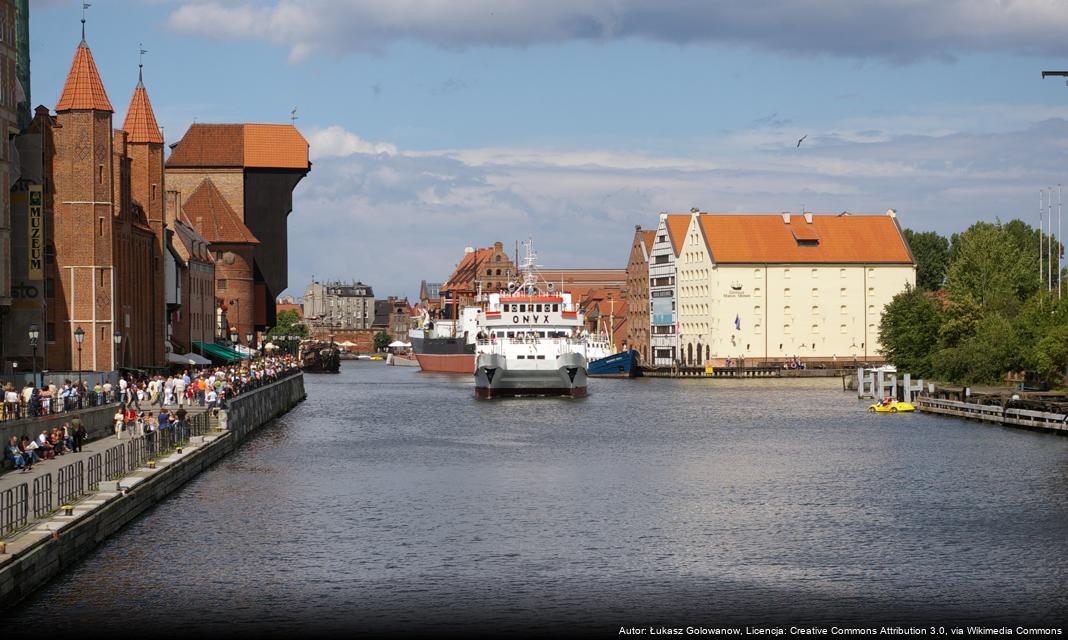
<point>808,217</point>
<point>891,213</point>
<point>469,250</point>
<point>786,217</point>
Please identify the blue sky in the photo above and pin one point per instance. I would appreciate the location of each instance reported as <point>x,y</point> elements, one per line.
<point>437,124</point>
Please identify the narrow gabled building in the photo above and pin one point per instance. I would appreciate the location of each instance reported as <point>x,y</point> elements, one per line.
<point>664,330</point>
<point>637,292</point>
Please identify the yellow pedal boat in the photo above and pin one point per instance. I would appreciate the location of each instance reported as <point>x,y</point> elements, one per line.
<point>893,407</point>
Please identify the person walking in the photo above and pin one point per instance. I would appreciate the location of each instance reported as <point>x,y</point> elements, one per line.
<point>79,432</point>
<point>119,419</point>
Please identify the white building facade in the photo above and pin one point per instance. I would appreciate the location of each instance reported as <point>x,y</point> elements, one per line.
<point>774,288</point>
<point>339,306</point>
<point>663,317</point>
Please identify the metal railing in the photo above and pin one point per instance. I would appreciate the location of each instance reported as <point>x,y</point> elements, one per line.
<point>71,482</point>
<point>42,496</point>
<point>14,508</point>
<point>115,462</point>
<point>96,472</point>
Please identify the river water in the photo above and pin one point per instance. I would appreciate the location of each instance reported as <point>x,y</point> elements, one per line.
<point>394,500</point>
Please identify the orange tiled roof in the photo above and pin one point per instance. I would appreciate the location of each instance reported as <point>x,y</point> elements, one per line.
<point>648,235</point>
<point>267,146</point>
<point>83,89</point>
<point>463,278</point>
<point>140,120</point>
<point>677,224</point>
<point>830,239</point>
<point>213,218</point>
<point>285,306</point>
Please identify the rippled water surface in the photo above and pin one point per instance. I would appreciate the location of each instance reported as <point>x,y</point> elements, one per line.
<point>392,499</point>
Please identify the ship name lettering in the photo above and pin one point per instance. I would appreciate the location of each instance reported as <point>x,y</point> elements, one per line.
<point>531,319</point>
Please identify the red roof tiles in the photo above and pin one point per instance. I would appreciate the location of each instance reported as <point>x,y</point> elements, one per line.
<point>269,146</point>
<point>677,224</point>
<point>140,120</point>
<point>828,239</point>
<point>83,89</point>
<point>214,219</point>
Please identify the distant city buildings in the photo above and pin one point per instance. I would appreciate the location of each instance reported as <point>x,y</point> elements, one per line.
<point>339,306</point>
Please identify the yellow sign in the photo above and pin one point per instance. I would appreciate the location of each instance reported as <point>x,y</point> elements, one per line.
<point>35,247</point>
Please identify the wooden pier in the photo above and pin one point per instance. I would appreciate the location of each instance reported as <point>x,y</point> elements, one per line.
<point>1024,418</point>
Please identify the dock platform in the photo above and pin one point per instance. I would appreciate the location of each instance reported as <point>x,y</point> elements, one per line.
<point>1023,418</point>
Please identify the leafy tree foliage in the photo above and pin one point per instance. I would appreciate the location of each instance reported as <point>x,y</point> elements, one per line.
<point>288,324</point>
<point>909,331</point>
<point>932,255</point>
<point>382,340</point>
<point>993,316</point>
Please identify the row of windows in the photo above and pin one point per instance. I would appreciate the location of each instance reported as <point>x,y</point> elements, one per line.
<point>521,334</point>
<point>530,308</point>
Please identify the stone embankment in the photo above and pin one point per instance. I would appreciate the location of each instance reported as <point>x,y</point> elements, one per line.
<point>112,487</point>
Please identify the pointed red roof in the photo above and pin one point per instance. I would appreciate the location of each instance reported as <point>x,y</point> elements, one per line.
<point>140,121</point>
<point>214,219</point>
<point>84,89</point>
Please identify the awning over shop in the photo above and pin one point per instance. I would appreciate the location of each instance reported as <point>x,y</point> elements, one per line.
<point>218,352</point>
<point>191,359</point>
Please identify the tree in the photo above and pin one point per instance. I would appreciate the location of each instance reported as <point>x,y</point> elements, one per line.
<point>909,331</point>
<point>990,268</point>
<point>382,340</point>
<point>931,252</point>
<point>288,324</point>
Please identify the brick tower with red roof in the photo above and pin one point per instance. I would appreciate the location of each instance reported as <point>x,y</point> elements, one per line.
<point>145,148</point>
<point>105,254</point>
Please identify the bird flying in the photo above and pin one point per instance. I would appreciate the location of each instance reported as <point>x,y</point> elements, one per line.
<point>802,139</point>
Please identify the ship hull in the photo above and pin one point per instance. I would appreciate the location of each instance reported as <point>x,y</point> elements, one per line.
<point>617,365</point>
<point>494,378</point>
<point>447,363</point>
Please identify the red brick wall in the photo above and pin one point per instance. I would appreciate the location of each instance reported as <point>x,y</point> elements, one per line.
<point>233,264</point>
<point>147,189</point>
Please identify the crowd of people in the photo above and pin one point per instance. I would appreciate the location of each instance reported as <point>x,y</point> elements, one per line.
<point>145,404</point>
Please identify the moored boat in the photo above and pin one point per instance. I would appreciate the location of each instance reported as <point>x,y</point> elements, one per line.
<point>624,364</point>
<point>530,343</point>
<point>446,345</point>
<point>319,357</point>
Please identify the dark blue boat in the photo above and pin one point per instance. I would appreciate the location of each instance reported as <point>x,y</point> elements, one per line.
<point>618,365</point>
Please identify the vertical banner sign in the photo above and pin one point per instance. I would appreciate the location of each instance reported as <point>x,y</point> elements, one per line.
<point>36,230</point>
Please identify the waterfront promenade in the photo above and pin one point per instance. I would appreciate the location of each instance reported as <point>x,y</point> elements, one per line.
<point>53,515</point>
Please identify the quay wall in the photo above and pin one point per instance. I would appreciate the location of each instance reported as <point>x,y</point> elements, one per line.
<point>55,544</point>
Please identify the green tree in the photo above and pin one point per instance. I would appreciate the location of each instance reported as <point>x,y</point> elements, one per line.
<point>382,340</point>
<point>909,331</point>
<point>990,268</point>
<point>288,324</point>
<point>931,252</point>
<point>984,356</point>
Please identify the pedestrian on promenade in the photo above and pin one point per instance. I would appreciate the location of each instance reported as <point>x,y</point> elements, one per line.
<point>79,432</point>
<point>119,419</point>
<point>11,402</point>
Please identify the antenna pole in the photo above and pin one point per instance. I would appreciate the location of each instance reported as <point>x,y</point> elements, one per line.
<point>1060,244</point>
<point>1049,242</point>
<point>1041,211</point>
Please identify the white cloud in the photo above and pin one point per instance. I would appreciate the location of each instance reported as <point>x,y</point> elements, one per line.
<point>395,218</point>
<point>889,29</point>
<point>335,141</point>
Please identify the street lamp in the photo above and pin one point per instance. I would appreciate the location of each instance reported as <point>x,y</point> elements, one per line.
<point>233,335</point>
<point>117,338</point>
<point>79,337</point>
<point>248,343</point>
<point>34,334</point>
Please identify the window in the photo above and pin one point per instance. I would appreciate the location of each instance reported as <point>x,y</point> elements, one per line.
<point>841,273</point>
<point>786,274</point>
<point>786,328</point>
<point>497,258</point>
<point>815,291</point>
<point>843,329</point>
<point>786,292</point>
<point>489,272</point>
<point>843,290</point>
<point>221,284</point>
<point>815,328</point>
<point>661,259</point>
<point>50,332</point>
<point>815,273</point>
<point>843,309</point>
<point>815,309</point>
<point>786,310</point>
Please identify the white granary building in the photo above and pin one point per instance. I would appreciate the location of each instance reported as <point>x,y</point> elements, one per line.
<point>775,287</point>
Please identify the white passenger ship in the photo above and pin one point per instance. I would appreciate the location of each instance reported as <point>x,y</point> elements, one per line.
<point>531,342</point>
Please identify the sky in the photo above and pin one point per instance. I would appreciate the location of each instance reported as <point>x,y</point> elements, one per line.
<point>440,124</point>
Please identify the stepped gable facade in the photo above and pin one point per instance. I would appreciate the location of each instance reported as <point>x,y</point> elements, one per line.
<point>254,168</point>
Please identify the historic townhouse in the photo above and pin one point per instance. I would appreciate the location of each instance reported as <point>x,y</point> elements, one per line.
<point>773,287</point>
<point>663,292</point>
<point>637,292</point>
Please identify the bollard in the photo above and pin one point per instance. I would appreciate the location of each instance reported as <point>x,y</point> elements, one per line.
<point>3,547</point>
<point>151,464</point>
<point>68,510</point>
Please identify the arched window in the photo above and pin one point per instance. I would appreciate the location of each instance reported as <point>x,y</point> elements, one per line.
<point>689,353</point>
<point>698,353</point>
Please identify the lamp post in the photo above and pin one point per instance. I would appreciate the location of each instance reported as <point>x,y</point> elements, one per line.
<point>248,343</point>
<point>34,334</point>
<point>117,338</point>
<point>79,337</point>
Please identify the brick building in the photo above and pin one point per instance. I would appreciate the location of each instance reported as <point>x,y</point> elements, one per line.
<point>638,291</point>
<point>252,169</point>
<point>106,255</point>
<point>486,270</point>
<point>194,320</point>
